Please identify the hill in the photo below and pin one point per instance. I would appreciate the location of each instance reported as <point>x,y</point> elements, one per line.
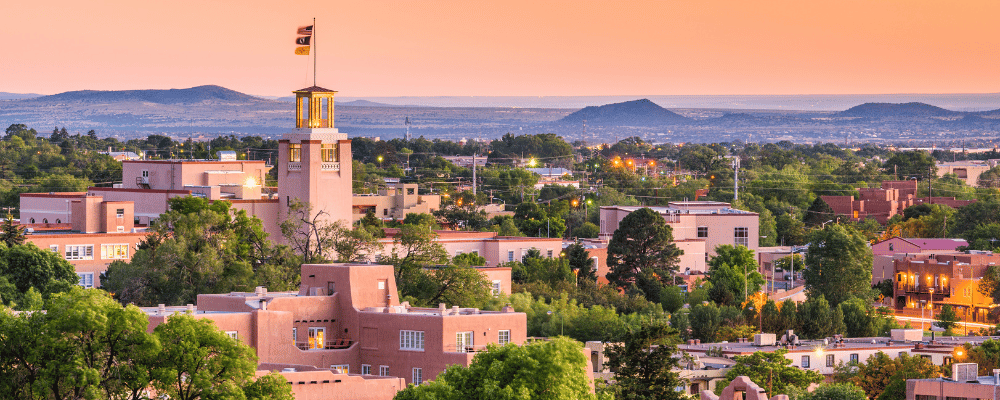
<point>630,113</point>
<point>198,94</point>
<point>897,110</point>
<point>17,96</point>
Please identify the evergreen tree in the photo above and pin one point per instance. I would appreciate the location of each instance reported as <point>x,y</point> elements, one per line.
<point>580,261</point>
<point>642,252</point>
<point>839,264</point>
<point>644,363</point>
<point>818,213</point>
<point>12,234</point>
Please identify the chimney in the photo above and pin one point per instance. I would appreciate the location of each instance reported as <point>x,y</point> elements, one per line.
<point>161,309</point>
<point>996,377</point>
<point>190,308</point>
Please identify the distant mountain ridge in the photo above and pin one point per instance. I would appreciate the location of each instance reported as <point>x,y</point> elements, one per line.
<point>641,112</point>
<point>897,110</point>
<point>195,94</point>
<point>17,96</point>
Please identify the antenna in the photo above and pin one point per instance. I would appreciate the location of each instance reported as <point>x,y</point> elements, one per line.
<point>407,129</point>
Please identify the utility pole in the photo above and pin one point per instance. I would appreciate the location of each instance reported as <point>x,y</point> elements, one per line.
<point>736,178</point>
<point>930,178</point>
<point>473,174</point>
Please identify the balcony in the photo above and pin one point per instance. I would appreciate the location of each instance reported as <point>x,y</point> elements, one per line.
<point>454,348</point>
<point>294,166</point>
<point>335,344</point>
<point>329,166</point>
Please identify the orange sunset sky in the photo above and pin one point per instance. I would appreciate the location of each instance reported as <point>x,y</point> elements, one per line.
<point>498,48</point>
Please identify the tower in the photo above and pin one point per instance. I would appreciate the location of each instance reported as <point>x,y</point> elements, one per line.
<point>314,160</point>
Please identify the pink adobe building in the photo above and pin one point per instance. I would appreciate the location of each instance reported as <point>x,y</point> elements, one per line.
<point>886,251</point>
<point>698,228</point>
<point>964,383</point>
<point>346,318</point>
<point>940,279</point>
<point>394,202</point>
<point>885,202</point>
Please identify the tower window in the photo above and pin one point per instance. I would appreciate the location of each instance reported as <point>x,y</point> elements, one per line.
<point>294,152</point>
<point>328,152</point>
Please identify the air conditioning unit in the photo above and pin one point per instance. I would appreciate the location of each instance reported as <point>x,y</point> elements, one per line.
<point>965,372</point>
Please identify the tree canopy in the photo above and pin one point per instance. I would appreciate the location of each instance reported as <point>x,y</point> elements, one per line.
<point>839,264</point>
<point>642,253</point>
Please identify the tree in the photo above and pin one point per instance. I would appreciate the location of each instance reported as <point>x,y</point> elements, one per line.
<point>547,370</point>
<point>198,361</point>
<point>705,321</point>
<point>734,274</point>
<point>580,261</point>
<point>834,391</point>
<point>839,264</point>
<point>990,178</point>
<point>883,377</point>
<point>642,244</point>
<point>947,319</point>
<point>859,318</point>
<point>818,213</point>
<point>644,365</point>
<point>272,386</point>
<point>788,316</point>
<point>672,299</point>
<point>469,260</point>
<point>910,164</point>
<point>310,235</point>
<point>816,319</point>
<point>27,267</point>
<point>771,371</point>
<point>11,234</point>
<point>587,230</point>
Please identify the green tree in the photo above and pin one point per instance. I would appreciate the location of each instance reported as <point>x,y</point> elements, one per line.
<point>26,267</point>
<point>272,386</point>
<point>644,363</point>
<point>859,318</point>
<point>816,319</point>
<point>580,261</point>
<point>910,164</point>
<point>734,274</point>
<point>947,319</point>
<point>771,371</point>
<point>469,260</point>
<point>990,178</point>
<point>834,391</point>
<point>705,320</point>
<point>11,234</point>
<point>672,298</point>
<point>789,316</point>
<point>552,369</point>
<point>198,361</point>
<point>642,245</point>
<point>587,230</point>
<point>840,264</point>
<point>818,213</point>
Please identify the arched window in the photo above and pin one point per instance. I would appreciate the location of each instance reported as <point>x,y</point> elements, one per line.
<point>58,221</point>
<point>45,220</point>
<point>31,221</point>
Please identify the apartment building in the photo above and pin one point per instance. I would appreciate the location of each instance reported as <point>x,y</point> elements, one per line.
<point>698,228</point>
<point>346,318</point>
<point>394,202</point>
<point>929,281</point>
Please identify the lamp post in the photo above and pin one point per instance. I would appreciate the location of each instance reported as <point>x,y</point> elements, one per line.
<point>922,304</point>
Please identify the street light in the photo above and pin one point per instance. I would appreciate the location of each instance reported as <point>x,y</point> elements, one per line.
<point>922,304</point>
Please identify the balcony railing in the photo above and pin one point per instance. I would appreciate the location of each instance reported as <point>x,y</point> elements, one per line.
<point>294,166</point>
<point>329,166</point>
<point>454,348</point>
<point>335,344</point>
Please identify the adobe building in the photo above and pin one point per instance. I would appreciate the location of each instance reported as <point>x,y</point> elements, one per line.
<point>347,320</point>
<point>967,171</point>
<point>885,202</point>
<point>898,248</point>
<point>964,383</point>
<point>940,279</point>
<point>698,228</point>
<point>394,202</point>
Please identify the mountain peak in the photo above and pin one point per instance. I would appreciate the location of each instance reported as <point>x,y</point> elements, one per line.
<point>896,110</point>
<point>197,94</point>
<point>641,112</point>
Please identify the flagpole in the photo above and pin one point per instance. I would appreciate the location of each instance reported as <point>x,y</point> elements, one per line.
<point>314,50</point>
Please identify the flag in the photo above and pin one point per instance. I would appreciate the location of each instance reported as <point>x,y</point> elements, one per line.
<point>306,30</point>
<point>303,40</point>
<point>302,51</point>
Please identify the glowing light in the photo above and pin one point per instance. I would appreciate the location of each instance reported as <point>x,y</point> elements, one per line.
<point>250,182</point>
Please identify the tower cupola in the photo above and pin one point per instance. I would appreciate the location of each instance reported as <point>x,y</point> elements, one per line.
<point>314,107</point>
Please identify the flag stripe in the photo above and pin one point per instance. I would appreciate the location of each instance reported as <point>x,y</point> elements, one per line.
<point>303,40</point>
<point>306,30</point>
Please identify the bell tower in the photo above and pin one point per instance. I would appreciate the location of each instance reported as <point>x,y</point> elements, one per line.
<point>314,160</point>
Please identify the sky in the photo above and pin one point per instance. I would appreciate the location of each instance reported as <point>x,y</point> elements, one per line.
<point>505,48</point>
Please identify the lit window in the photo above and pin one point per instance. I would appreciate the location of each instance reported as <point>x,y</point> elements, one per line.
<point>328,152</point>
<point>741,237</point>
<point>418,376</point>
<point>294,152</point>
<point>496,287</point>
<point>80,252</point>
<point>341,369</point>
<point>114,251</point>
<point>86,279</point>
<point>504,337</point>
<point>411,340</point>
<point>703,231</point>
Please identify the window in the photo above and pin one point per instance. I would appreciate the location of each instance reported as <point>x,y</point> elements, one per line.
<point>233,334</point>
<point>145,174</point>
<point>458,253</point>
<point>381,285</point>
<point>45,220</point>
<point>80,252</point>
<point>294,152</point>
<point>411,340</point>
<point>805,361</point>
<point>328,152</point>
<point>366,369</point>
<point>295,335</point>
<point>510,255</point>
<point>476,252</point>
<point>496,288</point>
<point>341,368</point>
<point>383,370</point>
<point>703,231</point>
<point>829,360</point>
<point>418,376</point>
<point>854,358</point>
<point>550,254</point>
<point>86,279</point>
<point>55,249</point>
<point>317,338</point>
<point>120,213</point>
<point>463,342</point>
<point>121,229</point>
<point>114,251</point>
<point>504,337</point>
<point>741,236</point>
